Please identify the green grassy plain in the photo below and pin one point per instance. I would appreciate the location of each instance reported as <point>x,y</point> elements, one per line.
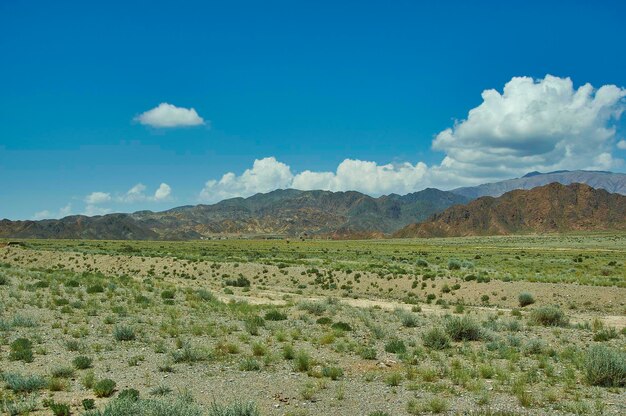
<point>481,326</point>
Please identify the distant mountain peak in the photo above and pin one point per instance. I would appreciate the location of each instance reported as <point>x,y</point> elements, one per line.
<point>550,208</point>
<point>612,182</point>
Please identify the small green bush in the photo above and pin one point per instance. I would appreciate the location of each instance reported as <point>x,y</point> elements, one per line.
<point>395,346</point>
<point>548,316</point>
<point>436,339</point>
<point>104,388</point>
<point>21,350</point>
<point>463,328</point>
<point>341,326</point>
<point>124,333</point>
<point>605,367</point>
<point>333,373</point>
<point>82,362</point>
<point>23,384</point>
<point>249,364</point>
<point>168,294</point>
<point>235,409</point>
<point>129,394</point>
<point>525,299</point>
<point>275,315</point>
<point>302,361</point>
<point>59,409</point>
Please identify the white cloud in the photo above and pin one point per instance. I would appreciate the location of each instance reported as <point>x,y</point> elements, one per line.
<point>541,125</point>
<point>137,194</point>
<point>134,194</point>
<point>265,175</point>
<point>45,214</point>
<point>163,192</point>
<point>533,125</point>
<point>91,210</point>
<point>168,115</point>
<point>367,177</point>
<point>269,174</point>
<point>65,211</point>
<point>96,198</point>
<point>42,215</point>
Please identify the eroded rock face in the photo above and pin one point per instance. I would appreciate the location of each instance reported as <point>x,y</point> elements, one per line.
<point>545,209</point>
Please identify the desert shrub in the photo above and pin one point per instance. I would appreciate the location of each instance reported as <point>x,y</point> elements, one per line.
<point>332,372</point>
<point>315,308</point>
<point>525,299</point>
<point>249,364</point>
<point>97,288</point>
<point>395,346</point>
<point>253,324</point>
<point>367,353</point>
<point>104,388</point>
<point>59,409</point>
<point>88,404</point>
<point>463,328</point>
<point>62,372</point>
<point>188,354</point>
<point>234,409</point>
<point>288,352</point>
<point>160,390</point>
<point>341,326</point>
<point>548,316</point>
<point>436,339</point>
<point>302,361</point>
<point>605,335</point>
<point>605,367</point>
<point>82,362</point>
<point>21,350</point>
<point>205,295</point>
<point>324,320</point>
<point>153,407</point>
<point>409,320</point>
<point>128,394</point>
<point>241,281</point>
<point>23,384</point>
<point>454,265</point>
<point>123,333</point>
<point>535,346</point>
<point>168,294</point>
<point>4,280</point>
<point>275,315</point>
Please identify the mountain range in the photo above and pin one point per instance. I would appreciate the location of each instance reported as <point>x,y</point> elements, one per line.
<point>282,212</point>
<point>329,214</point>
<point>544,209</point>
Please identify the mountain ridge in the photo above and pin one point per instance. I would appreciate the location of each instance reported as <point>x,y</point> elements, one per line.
<point>551,208</point>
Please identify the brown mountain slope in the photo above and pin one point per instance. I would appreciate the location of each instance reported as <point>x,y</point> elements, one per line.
<point>550,208</point>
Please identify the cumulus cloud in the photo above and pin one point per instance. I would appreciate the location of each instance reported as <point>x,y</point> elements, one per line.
<point>265,175</point>
<point>163,192</point>
<point>45,214</point>
<point>138,194</point>
<point>42,215</point>
<point>367,177</point>
<point>96,198</point>
<point>541,125</point>
<point>91,210</point>
<point>532,125</point>
<point>269,174</point>
<point>167,115</point>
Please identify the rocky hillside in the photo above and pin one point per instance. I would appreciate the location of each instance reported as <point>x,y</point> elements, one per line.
<point>546,209</point>
<point>281,212</point>
<point>611,182</point>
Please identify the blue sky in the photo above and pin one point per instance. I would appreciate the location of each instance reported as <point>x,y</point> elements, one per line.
<point>372,96</point>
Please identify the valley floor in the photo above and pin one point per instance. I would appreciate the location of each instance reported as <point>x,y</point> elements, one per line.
<point>317,328</point>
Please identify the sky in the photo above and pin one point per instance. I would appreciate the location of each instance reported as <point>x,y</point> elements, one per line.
<point>124,106</point>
